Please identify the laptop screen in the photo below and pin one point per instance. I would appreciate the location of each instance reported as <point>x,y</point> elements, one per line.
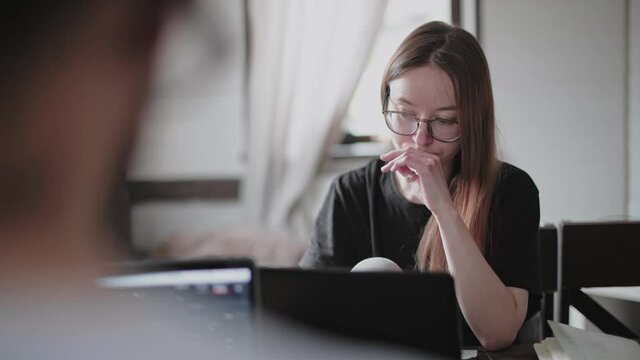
<point>417,310</point>
<point>217,297</point>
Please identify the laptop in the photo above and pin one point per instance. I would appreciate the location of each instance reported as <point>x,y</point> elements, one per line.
<point>216,298</point>
<point>220,299</point>
<point>411,309</point>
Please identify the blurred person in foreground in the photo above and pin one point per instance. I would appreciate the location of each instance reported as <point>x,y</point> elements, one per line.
<point>75,76</point>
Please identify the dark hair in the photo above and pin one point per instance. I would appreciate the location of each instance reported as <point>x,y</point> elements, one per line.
<point>459,55</point>
<point>35,35</point>
<point>28,24</point>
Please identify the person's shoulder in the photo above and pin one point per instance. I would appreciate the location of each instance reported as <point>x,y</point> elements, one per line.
<point>513,178</point>
<point>360,177</point>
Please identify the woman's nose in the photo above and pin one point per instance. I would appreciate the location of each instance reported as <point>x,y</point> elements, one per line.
<point>422,136</point>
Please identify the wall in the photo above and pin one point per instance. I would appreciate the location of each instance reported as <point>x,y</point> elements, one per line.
<point>195,121</point>
<point>559,86</point>
<point>568,110</point>
<point>559,83</point>
<point>634,109</point>
<point>196,116</point>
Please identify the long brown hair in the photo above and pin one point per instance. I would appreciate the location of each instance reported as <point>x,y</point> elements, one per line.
<point>475,168</point>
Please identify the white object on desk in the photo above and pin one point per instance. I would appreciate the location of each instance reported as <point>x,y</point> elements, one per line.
<point>550,349</point>
<point>376,264</point>
<point>575,344</point>
<point>468,354</point>
<point>629,293</point>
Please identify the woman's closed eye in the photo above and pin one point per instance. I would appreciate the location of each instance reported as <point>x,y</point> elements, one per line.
<point>445,121</point>
<point>407,115</point>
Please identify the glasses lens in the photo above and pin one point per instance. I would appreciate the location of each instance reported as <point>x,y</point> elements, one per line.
<point>445,129</point>
<point>401,123</point>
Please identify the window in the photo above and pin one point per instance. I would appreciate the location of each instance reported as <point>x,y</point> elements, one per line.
<point>364,122</point>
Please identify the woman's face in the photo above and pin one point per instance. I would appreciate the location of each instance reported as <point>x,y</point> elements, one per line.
<point>426,92</point>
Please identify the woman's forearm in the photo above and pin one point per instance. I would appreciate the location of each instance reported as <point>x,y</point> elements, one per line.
<point>493,311</point>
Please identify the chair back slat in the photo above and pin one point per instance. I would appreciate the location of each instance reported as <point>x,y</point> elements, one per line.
<point>600,254</point>
<point>548,258</point>
<point>548,241</point>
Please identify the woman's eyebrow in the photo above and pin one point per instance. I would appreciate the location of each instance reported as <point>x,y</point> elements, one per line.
<point>443,108</point>
<point>403,100</point>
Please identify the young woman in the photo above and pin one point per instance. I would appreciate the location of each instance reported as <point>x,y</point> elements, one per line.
<point>441,201</point>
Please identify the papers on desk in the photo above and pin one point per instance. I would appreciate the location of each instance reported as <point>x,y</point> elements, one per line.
<point>628,293</point>
<point>468,354</point>
<point>571,343</point>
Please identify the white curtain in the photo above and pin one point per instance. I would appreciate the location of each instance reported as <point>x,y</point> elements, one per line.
<point>306,57</point>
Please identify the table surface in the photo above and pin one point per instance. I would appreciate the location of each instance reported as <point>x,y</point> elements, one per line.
<point>513,352</point>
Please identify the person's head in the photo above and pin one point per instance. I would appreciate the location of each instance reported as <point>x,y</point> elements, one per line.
<point>74,75</point>
<point>440,73</point>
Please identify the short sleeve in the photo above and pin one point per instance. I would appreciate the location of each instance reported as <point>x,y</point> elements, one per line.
<point>514,251</point>
<point>339,226</point>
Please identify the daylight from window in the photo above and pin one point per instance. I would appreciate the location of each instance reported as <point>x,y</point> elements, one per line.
<point>364,117</point>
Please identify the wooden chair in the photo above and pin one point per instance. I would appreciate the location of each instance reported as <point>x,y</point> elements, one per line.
<point>598,255</point>
<point>548,240</point>
<point>536,328</point>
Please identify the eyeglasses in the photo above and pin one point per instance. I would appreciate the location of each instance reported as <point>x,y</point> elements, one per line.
<point>406,124</point>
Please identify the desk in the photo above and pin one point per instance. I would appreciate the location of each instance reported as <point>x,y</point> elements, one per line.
<point>513,352</point>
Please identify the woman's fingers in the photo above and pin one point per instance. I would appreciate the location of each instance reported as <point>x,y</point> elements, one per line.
<point>393,159</point>
<point>406,172</point>
<point>407,165</point>
<point>421,162</point>
<point>420,169</point>
<point>412,163</point>
<point>391,154</point>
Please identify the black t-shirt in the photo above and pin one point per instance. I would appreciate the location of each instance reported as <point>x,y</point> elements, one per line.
<point>365,215</point>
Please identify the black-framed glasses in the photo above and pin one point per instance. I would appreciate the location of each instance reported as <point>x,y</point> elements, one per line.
<point>403,123</point>
<point>445,130</point>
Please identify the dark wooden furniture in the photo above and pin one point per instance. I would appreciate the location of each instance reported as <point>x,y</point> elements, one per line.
<point>548,240</point>
<point>598,255</point>
<point>513,352</point>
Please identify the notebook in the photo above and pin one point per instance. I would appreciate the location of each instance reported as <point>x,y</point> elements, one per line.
<point>418,310</point>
